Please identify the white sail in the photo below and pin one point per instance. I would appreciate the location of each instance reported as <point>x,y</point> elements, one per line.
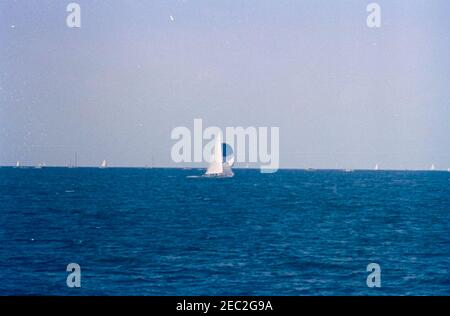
<point>230,162</point>
<point>432,168</point>
<point>18,164</point>
<point>376,167</point>
<point>216,167</point>
<point>104,164</point>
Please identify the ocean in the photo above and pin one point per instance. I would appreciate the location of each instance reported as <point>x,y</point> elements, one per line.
<point>162,232</point>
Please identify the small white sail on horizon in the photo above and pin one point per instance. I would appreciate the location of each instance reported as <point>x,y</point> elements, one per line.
<point>432,168</point>
<point>376,167</point>
<point>104,164</point>
<point>18,164</point>
<point>41,165</point>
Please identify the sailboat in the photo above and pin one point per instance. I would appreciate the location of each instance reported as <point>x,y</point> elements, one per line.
<point>104,164</point>
<point>219,167</point>
<point>75,164</point>
<point>376,167</point>
<point>432,168</point>
<point>18,164</point>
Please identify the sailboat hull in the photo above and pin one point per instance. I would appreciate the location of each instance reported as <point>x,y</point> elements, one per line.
<point>226,172</point>
<point>218,175</point>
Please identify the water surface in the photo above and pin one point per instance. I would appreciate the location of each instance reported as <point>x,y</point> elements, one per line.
<point>160,232</point>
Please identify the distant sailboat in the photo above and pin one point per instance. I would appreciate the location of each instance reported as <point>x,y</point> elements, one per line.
<point>75,164</point>
<point>104,164</point>
<point>219,167</point>
<point>18,164</point>
<point>41,165</point>
<point>432,168</point>
<point>376,167</point>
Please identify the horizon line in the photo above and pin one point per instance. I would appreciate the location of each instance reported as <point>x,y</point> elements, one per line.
<point>193,167</point>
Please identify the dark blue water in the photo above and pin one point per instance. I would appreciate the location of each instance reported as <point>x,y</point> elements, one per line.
<point>158,232</point>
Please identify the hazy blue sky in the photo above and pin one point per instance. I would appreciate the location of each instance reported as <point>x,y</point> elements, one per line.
<point>343,95</point>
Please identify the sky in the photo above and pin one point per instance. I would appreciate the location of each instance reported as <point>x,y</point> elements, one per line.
<point>343,95</point>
